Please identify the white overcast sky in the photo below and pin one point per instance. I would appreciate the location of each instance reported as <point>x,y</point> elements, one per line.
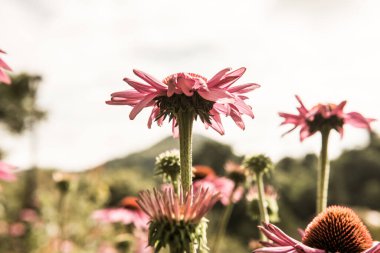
<point>323,50</point>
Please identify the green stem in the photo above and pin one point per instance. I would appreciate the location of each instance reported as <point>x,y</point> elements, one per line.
<point>264,217</point>
<point>62,219</point>
<point>185,125</point>
<point>174,181</point>
<point>323,173</point>
<point>223,223</point>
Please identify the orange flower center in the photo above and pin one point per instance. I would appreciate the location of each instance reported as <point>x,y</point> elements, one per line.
<point>338,229</point>
<point>202,171</point>
<point>129,203</point>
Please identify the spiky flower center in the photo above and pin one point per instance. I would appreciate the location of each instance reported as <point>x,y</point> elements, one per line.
<point>129,203</point>
<point>337,229</point>
<point>180,102</point>
<point>319,122</point>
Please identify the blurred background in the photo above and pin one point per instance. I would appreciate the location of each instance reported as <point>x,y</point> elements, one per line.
<point>68,56</point>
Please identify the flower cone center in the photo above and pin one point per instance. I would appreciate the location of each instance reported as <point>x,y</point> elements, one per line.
<point>338,229</point>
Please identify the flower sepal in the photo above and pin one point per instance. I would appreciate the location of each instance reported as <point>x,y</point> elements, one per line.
<point>178,235</point>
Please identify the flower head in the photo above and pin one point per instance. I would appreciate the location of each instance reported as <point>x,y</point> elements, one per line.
<point>236,172</point>
<point>127,213</point>
<point>177,219</point>
<point>205,177</point>
<point>204,98</point>
<point>337,229</point>
<point>258,163</point>
<point>4,78</point>
<point>323,116</point>
<point>6,173</point>
<point>168,164</point>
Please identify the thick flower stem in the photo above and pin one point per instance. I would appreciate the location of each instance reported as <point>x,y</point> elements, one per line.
<point>223,223</point>
<point>323,173</point>
<point>185,125</point>
<point>264,217</point>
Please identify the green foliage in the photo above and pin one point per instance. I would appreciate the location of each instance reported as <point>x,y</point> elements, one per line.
<point>18,109</point>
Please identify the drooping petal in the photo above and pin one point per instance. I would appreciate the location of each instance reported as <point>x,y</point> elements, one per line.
<point>4,65</point>
<point>140,87</point>
<point>243,108</point>
<point>357,120</point>
<point>217,95</point>
<point>143,103</point>
<point>237,119</point>
<point>4,78</point>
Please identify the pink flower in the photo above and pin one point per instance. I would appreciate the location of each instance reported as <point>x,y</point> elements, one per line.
<point>166,205</point>
<point>4,78</point>
<point>207,99</point>
<point>337,229</point>
<point>17,229</point>
<point>205,177</point>
<point>177,220</point>
<point>330,116</point>
<point>6,173</point>
<point>29,215</point>
<point>129,213</point>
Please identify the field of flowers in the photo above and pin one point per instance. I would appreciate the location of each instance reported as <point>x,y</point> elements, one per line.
<point>194,194</point>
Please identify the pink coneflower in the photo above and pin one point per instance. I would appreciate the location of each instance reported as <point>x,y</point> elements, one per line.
<point>337,229</point>
<point>205,177</point>
<point>176,220</point>
<point>4,78</point>
<point>322,116</point>
<point>206,99</point>
<point>6,172</point>
<point>128,213</point>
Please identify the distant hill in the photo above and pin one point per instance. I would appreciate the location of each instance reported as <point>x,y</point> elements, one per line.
<point>205,151</point>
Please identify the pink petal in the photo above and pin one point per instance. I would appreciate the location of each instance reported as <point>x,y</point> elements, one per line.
<point>150,79</point>
<point>217,95</point>
<point>216,78</point>
<point>243,108</point>
<point>301,109</point>
<point>244,88</point>
<point>142,88</point>
<point>304,133</point>
<point>186,86</point>
<point>4,65</point>
<point>4,78</point>
<point>237,119</point>
<point>357,120</point>
<point>230,78</point>
<point>143,103</point>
